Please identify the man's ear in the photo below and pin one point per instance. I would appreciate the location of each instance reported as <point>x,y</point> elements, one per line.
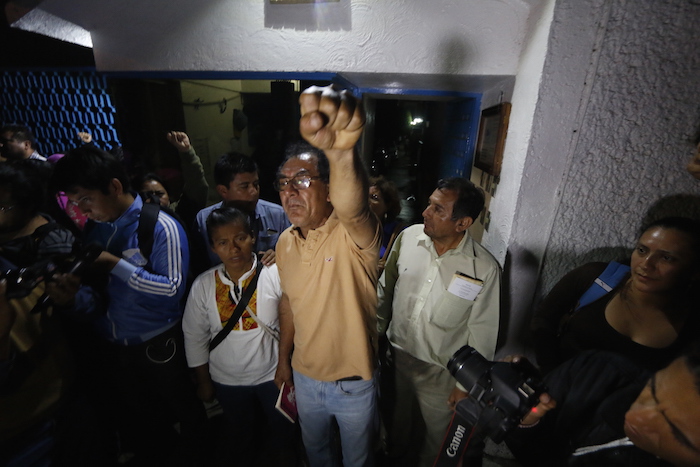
<point>222,190</point>
<point>116,187</point>
<point>463,223</point>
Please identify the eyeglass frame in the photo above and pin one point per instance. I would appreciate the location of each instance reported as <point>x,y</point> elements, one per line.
<point>157,193</point>
<point>4,209</point>
<point>86,200</point>
<point>302,181</point>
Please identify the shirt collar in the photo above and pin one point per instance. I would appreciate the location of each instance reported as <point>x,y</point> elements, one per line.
<point>466,245</point>
<point>225,278</point>
<point>326,228</point>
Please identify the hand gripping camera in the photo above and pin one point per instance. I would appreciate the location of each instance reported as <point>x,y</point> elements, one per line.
<point>21,281</point>
<point>500,395</point>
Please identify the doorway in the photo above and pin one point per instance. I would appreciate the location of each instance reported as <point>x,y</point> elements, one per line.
<point>414,141</point>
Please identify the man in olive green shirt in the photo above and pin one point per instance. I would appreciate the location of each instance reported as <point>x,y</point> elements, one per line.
<point>440,290</point>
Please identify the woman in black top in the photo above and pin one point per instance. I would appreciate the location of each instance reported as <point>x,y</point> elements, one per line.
<point>648,316</point>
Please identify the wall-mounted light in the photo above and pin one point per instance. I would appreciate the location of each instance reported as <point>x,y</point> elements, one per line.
<point>416,121</point>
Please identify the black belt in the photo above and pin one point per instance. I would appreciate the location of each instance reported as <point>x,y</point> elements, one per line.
<point>349,378</point>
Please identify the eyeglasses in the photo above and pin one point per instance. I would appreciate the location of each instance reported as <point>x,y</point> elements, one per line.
<point>85,201</point>
<point>157,194</point>
<point>300,181</point>
<point>4,209</point>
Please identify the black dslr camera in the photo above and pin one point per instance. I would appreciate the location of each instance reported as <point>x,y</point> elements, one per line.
<point>500,393</point>
<point>22,281</point>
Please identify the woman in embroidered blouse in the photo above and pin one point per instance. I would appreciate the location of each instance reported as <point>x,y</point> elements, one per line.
<point>648,316</point>
<point>239,372</point>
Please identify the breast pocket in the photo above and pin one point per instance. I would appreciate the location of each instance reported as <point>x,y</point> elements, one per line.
<point>451,311</point>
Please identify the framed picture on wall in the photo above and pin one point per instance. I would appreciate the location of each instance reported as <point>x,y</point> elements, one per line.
<point>492,138</point>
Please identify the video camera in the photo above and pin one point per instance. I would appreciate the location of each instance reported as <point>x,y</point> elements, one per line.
<point>500,395</point>
<point>22,281</point>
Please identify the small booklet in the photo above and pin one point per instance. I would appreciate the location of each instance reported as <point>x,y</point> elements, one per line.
<point>465,287</point>
<point>286,403</point>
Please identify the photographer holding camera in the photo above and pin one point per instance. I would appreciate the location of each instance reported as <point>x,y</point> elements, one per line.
<point>36,368</point>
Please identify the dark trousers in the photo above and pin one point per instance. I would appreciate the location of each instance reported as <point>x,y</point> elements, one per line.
<point>256,433</point>
<point>149,389</point>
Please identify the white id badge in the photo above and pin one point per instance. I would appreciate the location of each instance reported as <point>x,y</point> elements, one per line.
<point>464,286</point>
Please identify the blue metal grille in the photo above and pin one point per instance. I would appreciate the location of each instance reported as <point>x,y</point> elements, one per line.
<point>56,105</point>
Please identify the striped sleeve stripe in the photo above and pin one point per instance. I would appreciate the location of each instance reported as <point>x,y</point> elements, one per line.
<point>174,265</point>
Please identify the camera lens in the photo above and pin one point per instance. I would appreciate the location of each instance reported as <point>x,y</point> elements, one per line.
<point>468,366</point>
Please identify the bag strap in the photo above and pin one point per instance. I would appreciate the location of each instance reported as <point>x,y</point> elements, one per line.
<point>273,333</point>
<point>146,228</point>
<point>238,311</point>
<point>613,274</point>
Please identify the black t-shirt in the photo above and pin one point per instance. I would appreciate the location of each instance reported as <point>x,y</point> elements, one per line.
<point>593,392</point>
<point>561,334</point>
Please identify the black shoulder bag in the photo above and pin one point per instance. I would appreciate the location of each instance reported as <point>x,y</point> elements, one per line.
<point>238,311</point>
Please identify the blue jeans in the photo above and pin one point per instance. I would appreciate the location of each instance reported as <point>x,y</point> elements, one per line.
<point>353,404</point>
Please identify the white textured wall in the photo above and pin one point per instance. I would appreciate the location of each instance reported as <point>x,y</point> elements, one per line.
<point>396,36</point>
<point>524,100</point>
<point>548,139</point>
<point>617,105</point>
<point>634,139</point>
<point>41,22</point>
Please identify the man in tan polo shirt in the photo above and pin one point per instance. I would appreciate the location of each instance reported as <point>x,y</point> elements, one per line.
<point>327,263</point>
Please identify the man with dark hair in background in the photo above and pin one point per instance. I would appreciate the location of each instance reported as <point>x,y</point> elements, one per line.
<point>17,142</point>
<point>42,409</point>
<point>237,180</point>
<point>440,290</point>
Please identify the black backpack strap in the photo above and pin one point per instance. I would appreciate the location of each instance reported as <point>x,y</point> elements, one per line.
<point>147,227</point>
<point>238,311</point>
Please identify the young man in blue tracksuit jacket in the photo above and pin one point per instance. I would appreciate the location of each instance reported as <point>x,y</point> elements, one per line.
<point>142,362</point>
<point>149,290</point>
